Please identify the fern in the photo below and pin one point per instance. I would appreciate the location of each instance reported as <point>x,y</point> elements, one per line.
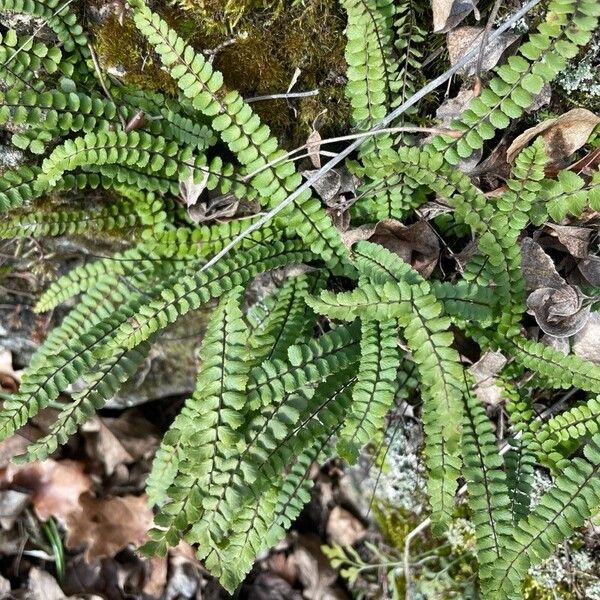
<point>284,383</point>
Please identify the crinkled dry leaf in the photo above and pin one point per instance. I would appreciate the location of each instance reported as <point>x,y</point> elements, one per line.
<point>586,342</point>
<point>462,40</point>
<point>562,135</point>
<point>190,190</point>
<point>55,486</point>
<point>416,244</point>
<point>538,268</point>
<point>452,108</point>
<point>4,587</point>
<point>219,207</point>
<point>590,269</point>
<point>575,239</point>
<point>336,188</point>
<point>104,446</point>
<point>313,143</point>
<point>107,525</point>
<point>484,372</point>
<point>559,311</point>
<point>447,14</point>
<point>343,527</point>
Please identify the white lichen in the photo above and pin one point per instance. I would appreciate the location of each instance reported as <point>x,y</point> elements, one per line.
<point>584,75</point>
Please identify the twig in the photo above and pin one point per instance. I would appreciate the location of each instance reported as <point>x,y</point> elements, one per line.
<point>484,40</point>
<point>352,147</point>
<point>103,84</point>
<point>282,96</point>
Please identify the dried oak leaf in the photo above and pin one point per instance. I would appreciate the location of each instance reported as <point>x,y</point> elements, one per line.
<point>12,504</point>
<point>560,312</point>
<point>416,244</point>
<point>218,207</point>
<point>562,135</point>
<point>586,343</point>
<point>55,486</point>
<point>447,14</point>
<point>107,525</point>
<point>190,189</point>
<point>462,40</point>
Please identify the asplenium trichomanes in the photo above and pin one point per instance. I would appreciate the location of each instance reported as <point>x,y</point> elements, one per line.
<point>231,474</point>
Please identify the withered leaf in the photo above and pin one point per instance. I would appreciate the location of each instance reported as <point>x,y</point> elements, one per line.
<point>590,269</point>
<point>106,526</point>
<point>562,135</point>
<point>42,586</point>
<point>55,486</point>
<point>574,239</point>
<point>12,504</point>
<point>104,446</point>
<point>447,14</point>
<point>190,189</point>
<point>462,40</point>
<point>538,268</point>
<point>9,378</point>
<point>313,143</point>
<point>219,207</point>
<point>560,312</point>
<point>416,244</point>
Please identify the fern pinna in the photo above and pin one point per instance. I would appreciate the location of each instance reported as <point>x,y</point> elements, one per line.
<point>232,473</point>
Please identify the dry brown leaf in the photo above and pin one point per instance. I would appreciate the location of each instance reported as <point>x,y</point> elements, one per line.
<point>452,108</point>
<point>343,527</point>
<point>313,143</point>
<point>562,135</point>
<point>447,14</point>
<point>538,268</point>
<point>417,244</point>
<point>575,239</point>
<point>586,342</point>
<point>560,312</point>
<point>55,486</point>
<point>107,525</point>
<point>219,207</point>
<point>484,372</point>
<point>4,587</point>
<point>336,188</point>
<point>190,190</point>
<point>104,446</point>
<point>462,40</point>
<point>590,269</point>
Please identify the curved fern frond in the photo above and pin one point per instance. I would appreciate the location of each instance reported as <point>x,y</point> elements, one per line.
<point>241,129</point>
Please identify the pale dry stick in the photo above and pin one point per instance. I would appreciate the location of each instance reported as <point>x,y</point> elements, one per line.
<point>102,82</point>
<point>351,137</point>
<point>350,148</point>
<point>283,96</point>
<point>484,40</point>
<point>427,522</point>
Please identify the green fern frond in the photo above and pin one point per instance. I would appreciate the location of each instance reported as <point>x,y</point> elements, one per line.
<point>569,24</point>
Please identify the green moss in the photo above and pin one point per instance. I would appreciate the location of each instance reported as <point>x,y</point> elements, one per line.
<point>122,47</point>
